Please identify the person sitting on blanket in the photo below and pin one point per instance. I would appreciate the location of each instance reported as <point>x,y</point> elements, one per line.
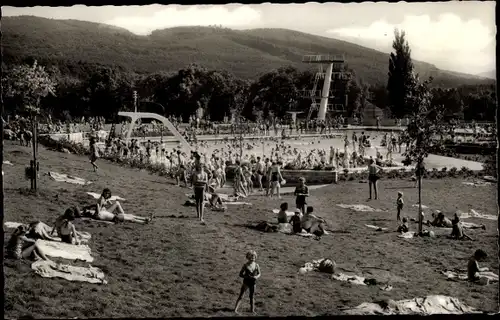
<point>311,222</point>
<point>215,201</point>
<point>296,222</point>
<point>21,247</point>
<point>404,227</point>
<point>65,229</point>
<point>473,269</point>
<point>107,214</point>
<point>282,217</point>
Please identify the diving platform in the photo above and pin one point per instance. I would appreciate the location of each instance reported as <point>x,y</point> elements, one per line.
<point>324,58</point>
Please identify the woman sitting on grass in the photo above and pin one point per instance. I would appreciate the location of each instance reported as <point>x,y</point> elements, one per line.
<point>108,213</point>
<point>22,247</point>
<point>65,229</point>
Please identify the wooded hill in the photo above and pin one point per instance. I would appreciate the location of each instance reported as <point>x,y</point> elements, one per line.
<point>73,46</point>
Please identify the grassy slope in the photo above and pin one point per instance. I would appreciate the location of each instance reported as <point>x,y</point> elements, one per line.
<point>176,267</point>
<point>247,54</point>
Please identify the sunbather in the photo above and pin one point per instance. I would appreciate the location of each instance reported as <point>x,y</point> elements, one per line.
<point>65,229</point>
<point>282,217</point>
<point>440,220</point>
<point>473,269</point>
<point>313,224</point>
<point>457,231</point>
<point>403,228</point>
<point>108,214</point>
<point>22,247</point>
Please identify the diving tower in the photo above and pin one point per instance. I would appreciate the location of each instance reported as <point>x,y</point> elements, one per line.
<point>334,67</point>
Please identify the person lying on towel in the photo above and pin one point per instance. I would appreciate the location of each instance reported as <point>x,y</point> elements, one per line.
<point>473,269</point>
<point>20,246</point>
<point>65,228</point>
<point>108,210</point>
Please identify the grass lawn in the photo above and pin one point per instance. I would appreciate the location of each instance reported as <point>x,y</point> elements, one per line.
<point>178,267</point>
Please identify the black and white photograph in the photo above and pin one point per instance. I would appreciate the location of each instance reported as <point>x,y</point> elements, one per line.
<point>249,160</point>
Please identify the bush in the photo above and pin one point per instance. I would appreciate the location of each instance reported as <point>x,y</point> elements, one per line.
<point>62,144</point>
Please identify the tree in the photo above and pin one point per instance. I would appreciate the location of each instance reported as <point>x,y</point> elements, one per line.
<point>425,127</point>
<point>30,84</point>
<point>399,76</point>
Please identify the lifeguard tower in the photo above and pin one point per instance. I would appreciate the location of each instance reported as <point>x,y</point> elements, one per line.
<point>334,72</point>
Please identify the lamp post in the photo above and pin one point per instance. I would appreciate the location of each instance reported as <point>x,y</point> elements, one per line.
<point>135,100</point>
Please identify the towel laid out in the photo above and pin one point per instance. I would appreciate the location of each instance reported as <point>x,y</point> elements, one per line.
<point>226,199</point>
<point>354,279</point>
<point>490,179</point>
<point>51,269</point>
<point>477,183</point>
<point>492,277</point>
<point>423,206</point>
<point>407,235</point>
<point>436,304</point>
<point>11,225</point>
<point>359,207</point>
<point>287,228</point>
<point>474,214</point>
<point>97,196</point>
<point>65,250</point>
<point>59,177</point>
<point>8,163</point>
<point>376,227</point>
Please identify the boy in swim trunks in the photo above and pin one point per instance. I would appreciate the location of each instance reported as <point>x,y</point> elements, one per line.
<point>301,193</point>
<point>250,272</point>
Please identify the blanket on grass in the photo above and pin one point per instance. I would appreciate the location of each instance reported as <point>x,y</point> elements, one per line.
<point>428,305</point>
<point>51,269</point>
<point>474,214</point>
<point>359,207</point>
<point>453,275</point>
<point>65,250</point>
<point>59,177</point>
<point>289,214</point>
<point>377,228</point>
<point>226,200</point>
<point>97,196</point>
<point>7,162</point>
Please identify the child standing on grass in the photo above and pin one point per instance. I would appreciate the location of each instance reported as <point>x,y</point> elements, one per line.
<point>94,153</point>
<point>301,193</point>
<point>250,272</point>
<point>399,205</point>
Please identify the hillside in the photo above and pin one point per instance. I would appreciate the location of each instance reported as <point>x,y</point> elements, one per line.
<point>247,53</point>
<point>492,74</point>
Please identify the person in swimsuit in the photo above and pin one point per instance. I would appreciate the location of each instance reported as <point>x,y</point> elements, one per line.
<point>250,272</point>
<point>312,223</point>
<point>21,247</point>
<point>200,181</point>
<point>473,269</point>
<point>108,214</point>
<point>399,205</point>
<point>373,177</point>
<point>282,217</point>
<point>65,229</point>
<point>259,168</point>
<point>296,222</point>
<point>276,178</point>
<point>94,153</point>
<point>301,193</point>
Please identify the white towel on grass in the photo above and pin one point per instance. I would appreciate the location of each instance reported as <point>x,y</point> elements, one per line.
<point>359,207</point>
<point>65,250</point>
<point>51,269</point>
<point>474,214</point>
<point>59,177</point>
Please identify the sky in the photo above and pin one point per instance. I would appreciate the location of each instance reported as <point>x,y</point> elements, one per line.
<point>456,36</point>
